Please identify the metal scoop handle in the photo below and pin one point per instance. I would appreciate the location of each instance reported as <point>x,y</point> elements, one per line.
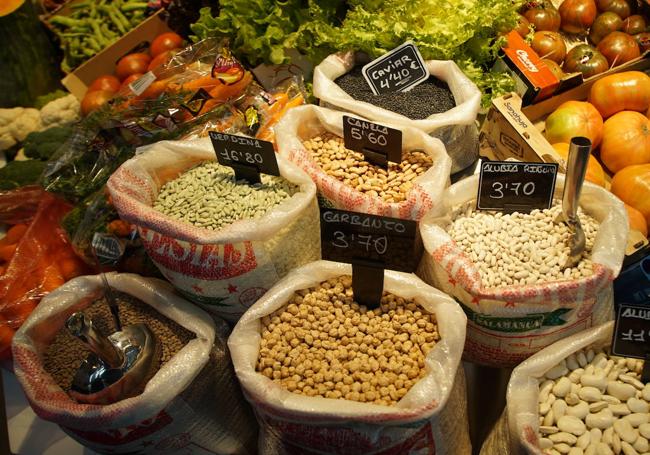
<point>579,152</point>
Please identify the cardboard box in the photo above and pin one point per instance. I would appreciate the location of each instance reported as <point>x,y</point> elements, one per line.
<point>105,61</point>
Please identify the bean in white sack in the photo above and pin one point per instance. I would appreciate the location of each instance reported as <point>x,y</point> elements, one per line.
<point>392,406</point>
<point>312,138</point>
<point>221,243</point>
<point>455,127</point>
<point>515,311</point>
<point>191,403</point>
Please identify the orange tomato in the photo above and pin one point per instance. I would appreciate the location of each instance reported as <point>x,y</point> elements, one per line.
<point>632,186</point>
<point>132,64</point>
<point>574,118</point>
<point>626,140</point>
<point>106,82</point>
<point>165,42</point>
<point>595,173</point>
<point>627,91</point>
<point>636,220</point>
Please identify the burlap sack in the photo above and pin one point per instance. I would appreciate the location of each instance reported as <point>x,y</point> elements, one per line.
<point>508,324</point>
<point>302,123</point>
<point>456,128</point>
<point>191,405</point>
<point>224,271</point>
<point>430,419</point>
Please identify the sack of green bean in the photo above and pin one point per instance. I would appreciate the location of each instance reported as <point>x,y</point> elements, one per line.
<point>191,401</point>
<point>327,375</point>
<point>507,270</point>
<point>444,106</point>
<point>312,137</point>
<point>222,243</point>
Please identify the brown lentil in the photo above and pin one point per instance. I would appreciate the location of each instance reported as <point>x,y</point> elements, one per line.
<point>322,343</point>
<point>391,185</point>
<point>65,354</point>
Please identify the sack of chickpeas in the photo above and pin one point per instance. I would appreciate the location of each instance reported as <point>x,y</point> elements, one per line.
<point>312,137</point>
<point>326,375</point>
<point>192,403</point>
<point>221,242</point>
<point>444,106</point>
<point>506,270</point>
<point>575,397</point>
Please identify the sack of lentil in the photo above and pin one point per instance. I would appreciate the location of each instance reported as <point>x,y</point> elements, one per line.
<point>505,270</point>
<point>445,106</point>
<point>312,137</point>
<point>191,404</point>
<point>327,376</point>
<point>575,397</point>
<point>222,243</point>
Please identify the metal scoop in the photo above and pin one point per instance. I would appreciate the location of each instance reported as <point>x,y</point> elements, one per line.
<point>579,150</point>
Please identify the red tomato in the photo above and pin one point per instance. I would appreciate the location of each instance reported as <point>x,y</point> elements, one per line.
<point>522,26</point>
<point>165,42</point>
<point>634,24</point>
<point>577,15</point>
<point>549,45</point>
<point>620,7</point>
<point>107,82</point>
<point>94,100</point>
<point>618,48</point>
<point>161,59</point>
<point>585,59</point>
<point>132,64</point>
<point>129,79</point>
<point>604,24</point>
<point>643,40</point>
<point>543,16</point>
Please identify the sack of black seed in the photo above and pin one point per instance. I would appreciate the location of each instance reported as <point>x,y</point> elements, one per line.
<point>312,138</point>
<point>329,376</point>
<point>191,403</point>
<point>444,106</point>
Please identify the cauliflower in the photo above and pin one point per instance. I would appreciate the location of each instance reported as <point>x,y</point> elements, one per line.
<point>60,111</point>
<point>7,116</point>
<point>29,120</point>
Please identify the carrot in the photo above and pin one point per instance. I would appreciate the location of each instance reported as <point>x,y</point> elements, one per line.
<point>119,227</point>
<point>225,92</point>
<point>15,233</point>
<point>154,90</point>
<point>7,251</point>
<point>200,82</point>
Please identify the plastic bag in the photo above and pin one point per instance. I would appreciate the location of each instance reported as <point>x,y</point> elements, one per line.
<point>508,324</point>
<point>191,403</point>
<point>430,418</point>
<point>302,123</point>
<point>227,270</point>
<point>455,128</point>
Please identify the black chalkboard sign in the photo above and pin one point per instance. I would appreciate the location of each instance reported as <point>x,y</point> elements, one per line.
<point>379,144</point>
<point>513,186</point>
<point>247,156</point>
<point>397,71</point>
<point>632,331</point>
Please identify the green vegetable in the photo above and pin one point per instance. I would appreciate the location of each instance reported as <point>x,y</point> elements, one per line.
<point>44,99</point>
<point>43,144</point>
<point>20,173</point>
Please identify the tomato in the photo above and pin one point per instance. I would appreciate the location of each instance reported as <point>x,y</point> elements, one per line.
<point>620,7</point>
<point>161,59</point>
<point>585,59</point>
<point>626,91</point>
<point>632,186</point>
<point>604,24</point>
<point>165,42</point>
<point>577,15</point>
<point>549,45</point>
<point>643,40</point>
<point>107,82</point>
<point>129,79</point>
<point>626,140</point>
<point>595,173</point>
<point>618,48</point>
<point>554,67</point>
<point>132,64</point>
<point>523,26</point>
<point>544,16</point>
<point>94,100</point>
<point>574,118</point>
<point>634,24</point>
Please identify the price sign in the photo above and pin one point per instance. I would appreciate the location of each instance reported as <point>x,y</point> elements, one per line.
<point>378,143</point>
<point>632,331</point>
<point>247,156</point>
<point>397,71</point>
<point>512,186</point>
<point>108,248</point>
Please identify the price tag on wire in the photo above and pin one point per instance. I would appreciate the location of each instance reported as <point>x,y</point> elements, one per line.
<point>379,144</point>
<point>371,243</point>
<point>510,186</point>
<point>247,156</point>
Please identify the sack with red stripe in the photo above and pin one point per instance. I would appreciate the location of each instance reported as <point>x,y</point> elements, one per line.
<point>304,122</point>
<point>431,419</point>
<point>227,270</point>
<point>507,324</point>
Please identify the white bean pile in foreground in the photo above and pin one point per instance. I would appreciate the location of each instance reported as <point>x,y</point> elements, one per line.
<point>594,404</point>
<point>322,343</point>
<point>208,196</point>
<point>351,168</point>
<point>521,248</point>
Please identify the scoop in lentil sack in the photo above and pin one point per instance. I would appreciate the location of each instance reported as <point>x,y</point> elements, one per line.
<point>222,243</point>
<point>317,366</point>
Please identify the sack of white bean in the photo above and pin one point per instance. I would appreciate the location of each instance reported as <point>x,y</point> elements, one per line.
<point>222,243</point>
<point>328,376</point>
<point>506,271</point>
<point>454,122</point>
<point>575,397</point>
<point>191,404</point>
<point>312,137</point>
